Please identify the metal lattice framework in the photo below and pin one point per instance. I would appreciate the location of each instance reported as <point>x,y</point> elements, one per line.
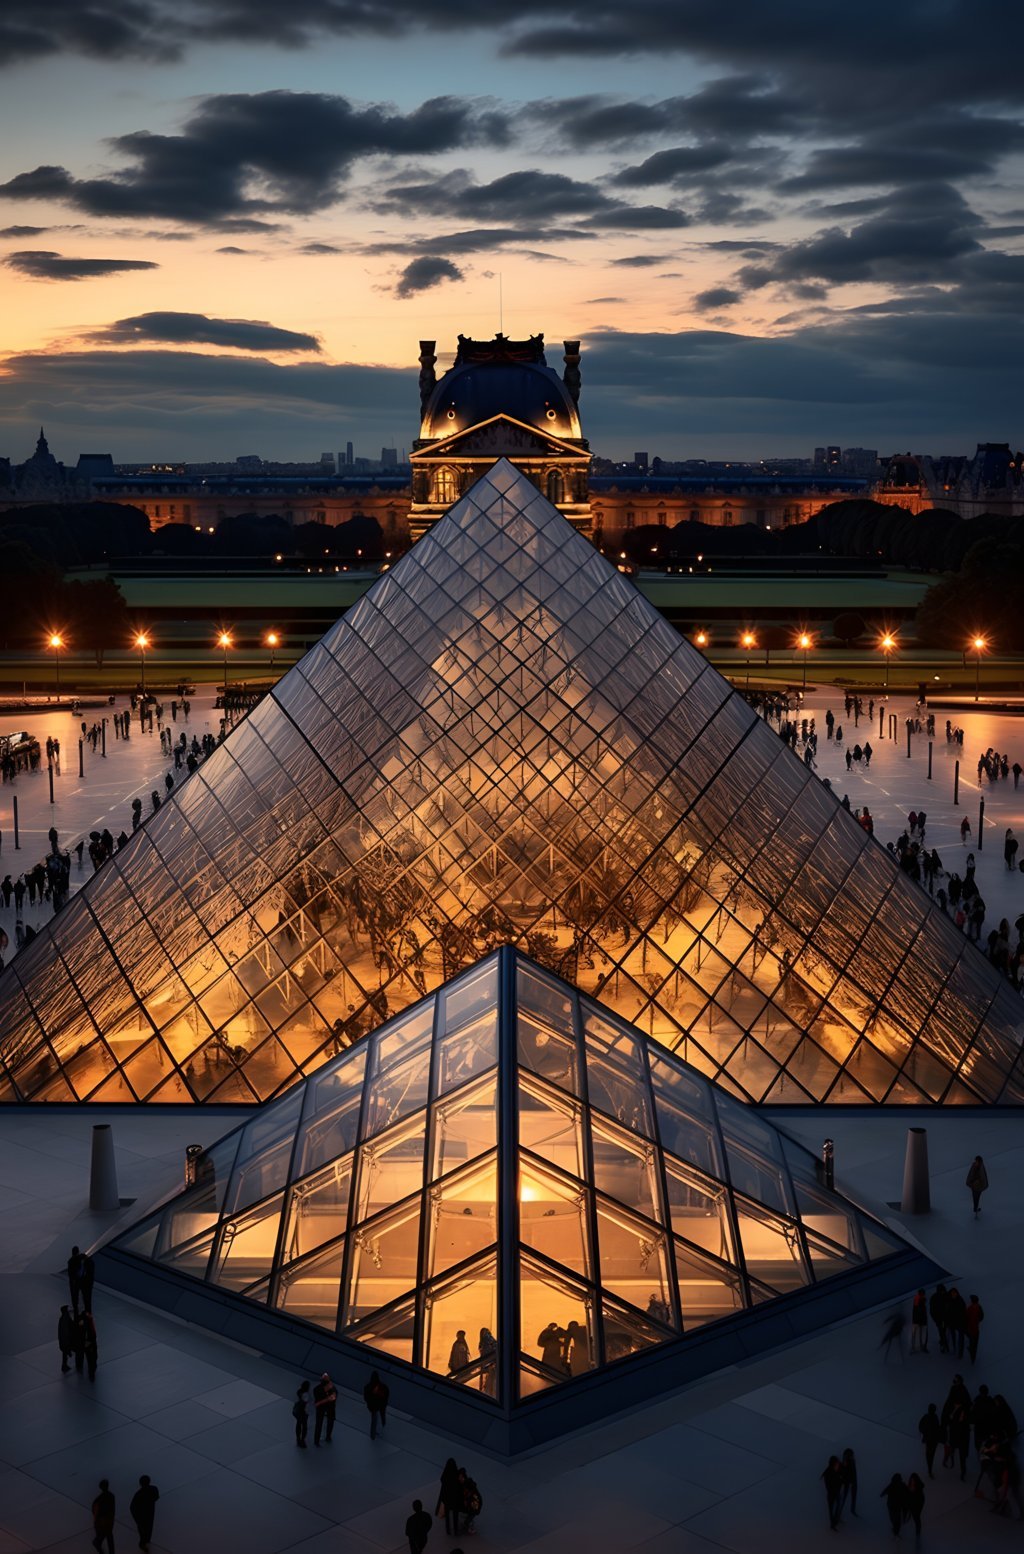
<point>503,742</point>
<point>508,1187</point>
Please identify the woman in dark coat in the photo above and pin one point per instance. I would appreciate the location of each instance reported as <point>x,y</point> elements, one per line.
<point>915,1501</point>
<point>977,1181</point>
<point>449,1499</point>
<point>895,1496</point>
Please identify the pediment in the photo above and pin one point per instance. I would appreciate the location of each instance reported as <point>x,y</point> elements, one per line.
<point>501,435</point>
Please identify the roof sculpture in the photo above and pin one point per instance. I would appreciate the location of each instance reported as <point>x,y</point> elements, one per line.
<point>503,742</point>
<point>512,1191</point>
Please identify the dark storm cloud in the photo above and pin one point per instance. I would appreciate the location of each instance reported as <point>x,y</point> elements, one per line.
<point>913,240</point>
<point>529,194</point>
<point>679,163</point>
<point>40,264</point>
<point>422,274</point>
<point>241,156</point>
<point>474,240</point>
<point>244,334</point>
<point>639,218</point>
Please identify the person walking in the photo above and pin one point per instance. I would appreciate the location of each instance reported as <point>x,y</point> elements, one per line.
<point>65,1337</point>
<point>938,1309</point>
<point>956,1421</point>
<point>931,1432</point>
<point>80,1277</point>
<point>375,1396</point>
<point>103,1510</point>
<point>974,1316</point>
<point>977,1181</point>
<point>895,1496</point>
<point>325,1398</point>
<point>919,1323</point>
<point>448,1499</point>
<point>459,1357</point>
<point>300,1413</point>
<point>914,1502</point>
<point>848,1467</point>
<point>417,1528</point>
<point>90,1344</point>
<point>143,1509</point>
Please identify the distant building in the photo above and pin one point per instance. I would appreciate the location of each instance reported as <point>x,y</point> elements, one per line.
<point>641,462</point>
<point>389,458</point>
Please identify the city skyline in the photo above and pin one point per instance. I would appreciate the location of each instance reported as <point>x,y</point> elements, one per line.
<point>770,230</point>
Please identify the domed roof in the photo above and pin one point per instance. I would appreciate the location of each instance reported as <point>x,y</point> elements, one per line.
<point>500,377</point>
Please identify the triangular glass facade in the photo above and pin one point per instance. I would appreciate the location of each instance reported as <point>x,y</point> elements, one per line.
<point>503,742</point>
<point>510,1188</point>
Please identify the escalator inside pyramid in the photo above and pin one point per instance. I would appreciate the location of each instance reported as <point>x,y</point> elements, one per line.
<point>504,743</point>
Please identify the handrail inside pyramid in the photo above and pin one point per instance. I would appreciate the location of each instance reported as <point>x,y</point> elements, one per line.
<point>506,1135</point>
<point>503,742</point>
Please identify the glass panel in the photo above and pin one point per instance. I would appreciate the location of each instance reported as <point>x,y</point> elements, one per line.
<point>553,1217</point>
<point>707,1291</point>
<point>383,1261</point>
<point>625,1167</point>
<point>467,1052</point>
<point>463,1216</point>
<point>391,1332</point>
<point>471,997</point>
<point>827,1215</point>
<point>464,1126</point>
<point>633,1260</point>
<point>627,1333</point>
<point>548,1053</point>
<point>550,1125</point>
<point>245,1250</point>
<point>318,1209</point>
<point>334,1100</point>
<point>310,1289</point>
<point>460,1321</point>
<point>699,1210</point>
<point>771,1248</point>
<point>548,1308</point>
<point>827,1259</point>
<point>390,1168</point>
<point>403,1089</point>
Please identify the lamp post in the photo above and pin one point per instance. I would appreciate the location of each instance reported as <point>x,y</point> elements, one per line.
<point>701,640</point>
<point>979,644</point>
<point>142,643</point>
<point>273,642</point>
<point>886,644</point>
<point>224,641</point>
<point>57,642</point>
<point>805,642</point>
<point>749,641</point>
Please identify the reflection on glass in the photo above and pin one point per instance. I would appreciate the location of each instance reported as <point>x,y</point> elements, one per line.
<point>464,1126</point>
<point>707,1290</point>
<point>245,1251</point>
<point>553,1217</point>
<point>557,1323</point>
<point>309,1289</point>
<point>463,1216</point>
<point>699,1210</point>
<point>318,1208</point>
<point>550,1125</point>
<point>460,1321</point>
<point>633,1261</point>
<point>383,1256</point>
<point>626,1168</point>
<point>771,1248</point>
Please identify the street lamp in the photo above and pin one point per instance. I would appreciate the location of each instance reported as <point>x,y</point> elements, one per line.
<point>749,641</point>
<point>142,643</point>
<point>57,642</point>
<point>979,644</point>
<point>701,640</point>
<point>224,641</point>
<point>273,642</point>
<point>805,642</point>
<point>887,644</point>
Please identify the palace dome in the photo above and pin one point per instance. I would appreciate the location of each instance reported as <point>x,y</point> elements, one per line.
<point>500,377</point>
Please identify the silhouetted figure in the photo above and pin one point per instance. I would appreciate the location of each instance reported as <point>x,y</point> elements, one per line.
<point>65,1336</point>
<point>893,1334</point>
<point>80,1278</point>
<point>977,1181</point>
<point>375,1396</point>
<point>459,1357</point>
<point>325,1397</point>
<point>448,1499</point>
<point>931,1431</point>
<point>300,1413</point>
<point>914,1501</point>
<point>832,1478</point>
<point>143,1509</point>
<point>849,1471</point>
<point>417,1528</point>
<point>103,1510</point>
<point>895,1496</point>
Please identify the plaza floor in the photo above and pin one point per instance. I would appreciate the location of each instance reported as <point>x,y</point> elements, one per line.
<point>732,1463</point>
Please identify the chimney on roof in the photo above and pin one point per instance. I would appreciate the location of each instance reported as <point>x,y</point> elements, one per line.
<point>571,375</point>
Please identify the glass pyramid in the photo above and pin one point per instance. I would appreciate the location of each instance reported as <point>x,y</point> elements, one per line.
<point>503,742</point>
<point>509,1188</point>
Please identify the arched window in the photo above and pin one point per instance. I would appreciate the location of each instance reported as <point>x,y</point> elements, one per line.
<point>556,486</point>
<point>445,488</point>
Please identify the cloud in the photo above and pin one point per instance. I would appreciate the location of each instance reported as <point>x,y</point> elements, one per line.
<point>716,297</point>
<point>639,218</point>
<point>243,156</point>
<point>320,248</point>
<point>22,231</point>
<point>422,274</point>
<point>475,240</point>
<point>232,248</point>
<point>41,264</point>
<point>641,261</point>
<point>242,334</point>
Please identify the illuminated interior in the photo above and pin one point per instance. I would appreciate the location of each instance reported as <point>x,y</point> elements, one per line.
<point>503,742</point>
<point>503,1172</point>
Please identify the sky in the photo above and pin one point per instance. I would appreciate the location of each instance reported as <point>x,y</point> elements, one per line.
<point>225,225</point>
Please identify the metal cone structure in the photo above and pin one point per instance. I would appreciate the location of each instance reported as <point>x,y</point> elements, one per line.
<point>503,742</point>
<point>510,1199</point>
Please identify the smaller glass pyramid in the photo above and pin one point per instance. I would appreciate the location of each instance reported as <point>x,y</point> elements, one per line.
<point>508,1187</point>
